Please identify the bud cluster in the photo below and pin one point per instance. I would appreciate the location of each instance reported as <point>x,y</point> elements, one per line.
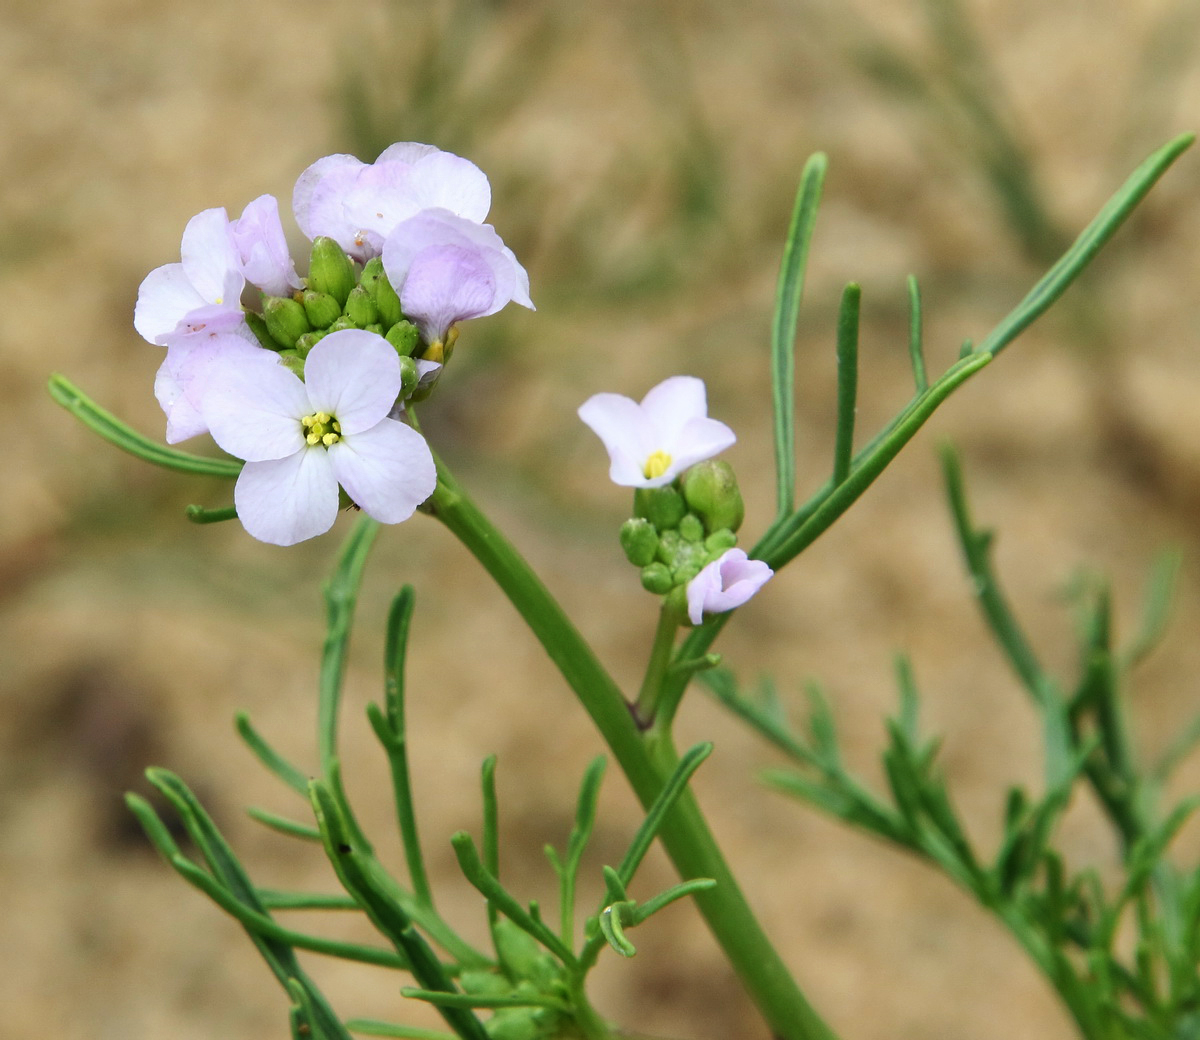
<point>526,970</point>
<point>338,294</point>
<point>679,529</point>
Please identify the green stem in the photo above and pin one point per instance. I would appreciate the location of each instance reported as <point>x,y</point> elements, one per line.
<point>646,763</point>
<point>656,668</point>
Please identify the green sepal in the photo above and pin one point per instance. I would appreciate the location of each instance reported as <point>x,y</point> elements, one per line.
<point>405,337</point>
<point>663,506</point>
<point>409,376</point>
<point>656,578</point>
<point>711,491</point>
<point>259,328</point>
<point>293,362</point>
<point>330,269</point>
<point>639,540</point>
<point>321,309</point>
<point>285,320</point>
<point>720,541</point>
<point>360,308</point>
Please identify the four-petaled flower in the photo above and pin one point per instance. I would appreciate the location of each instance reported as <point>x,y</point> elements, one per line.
<point>651,443</point>
<point>447,268</point>
<point>301,439</point>
<point>727,582</point>
<point>357,204</point>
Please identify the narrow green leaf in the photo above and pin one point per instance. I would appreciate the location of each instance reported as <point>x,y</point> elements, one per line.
<point>283,825</point>
<point>644,911</point>
<point>847,377</point>
<point>581,832</point>
<point>657,813</point>
<point>156,830</point>
<point>491,817</point>
<point>269,757</point>
<point>129,440</point>
<point>473,1000</point>
<point>489,886</point>
<point>200,515</point>
<point>373,1027</point>
<point>232,878</point>
<point>916,348</point>
<point>363,877</point>
<point>783,328</point>
<point>1090,241</point>
<point>262,924</point>
<point>279,899</point>
<point>1156,608</point>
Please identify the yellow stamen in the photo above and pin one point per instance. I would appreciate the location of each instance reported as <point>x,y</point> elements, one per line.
<point>657,464</point>
<point>320,428</point>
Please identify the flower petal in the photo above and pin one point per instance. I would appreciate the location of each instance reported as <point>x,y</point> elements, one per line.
<point>262,248</point>
<point>164,299</point>
<point>388,470</point>
<point>182,379</point>
<point>618,422</point>
<point>353,375</point>
<point>253,407</point>
<point>670,405</point>
<point>284,501</point>
<point>728,582</point>
<point>317,198</point>
<point>210,260</point>
<point>442,180</point>
<point>446,284</point>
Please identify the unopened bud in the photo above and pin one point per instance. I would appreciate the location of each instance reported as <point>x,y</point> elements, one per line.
<point>712,492</point>
<point>404,336</point>
<point>691,529</point>
<point>285,319</point>
<point>309,340</point>
<point>375,281</point>
<point>330,270</point>
<point>321,309</point>
<point>293,362</point>
<point>719,541</point>
<point>663,507</point>
<point>656,578</point>
<point>259,328</point>
<point>639,540</point>
<point>409,376</point>
<point>360,308</point>
<point>516,949</point>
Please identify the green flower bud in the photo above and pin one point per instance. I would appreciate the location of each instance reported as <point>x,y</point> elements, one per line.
<point>374,327</point>
<point>375,281</point>
<point>342,323</point>
<point>259,328</point>
<point>480,983</point>
<point>309,340</point>
<point>515,1024</point>
<point>321,309</point>
<point>691,529</point>
<point>656,578</point>
<point>360,308</point>
<point>409,376</point>
<point>330,270</point>
<point>663,507</point>
<point>717,542</point>
<point>285,319</point>
<point>712,492</point>
<point>639,540</point>
<point>405,337</point>
<point>516,949</point>
<point>293,362</point>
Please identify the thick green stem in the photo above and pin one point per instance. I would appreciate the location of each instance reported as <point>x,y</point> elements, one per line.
<point>656,669</point>
<point>646,762</point>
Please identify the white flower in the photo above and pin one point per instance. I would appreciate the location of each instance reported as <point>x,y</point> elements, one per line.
<point>727,582</point>
<point>301,439</point>
<point>651,443</point>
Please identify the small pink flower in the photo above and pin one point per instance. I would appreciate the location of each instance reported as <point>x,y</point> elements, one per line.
<point>302,438</point>
<point>651,443</point>
<point>727,582</point>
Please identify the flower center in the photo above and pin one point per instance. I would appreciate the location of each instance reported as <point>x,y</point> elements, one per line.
<point>657,464</point>
<point>321,428</point>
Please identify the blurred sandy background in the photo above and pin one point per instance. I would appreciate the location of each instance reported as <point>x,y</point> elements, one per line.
<point>643,158</point>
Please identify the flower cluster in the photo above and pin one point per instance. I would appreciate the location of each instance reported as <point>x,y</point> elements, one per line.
<point>306,378</point>
<point>687,506</point>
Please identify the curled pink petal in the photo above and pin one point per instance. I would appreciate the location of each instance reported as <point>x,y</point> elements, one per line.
<point>728,582</point>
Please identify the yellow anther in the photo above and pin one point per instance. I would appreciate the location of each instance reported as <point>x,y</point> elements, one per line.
<point>337,426</point>
<point>312,438</point>
<point>330,438</point>
<point>657,464</point>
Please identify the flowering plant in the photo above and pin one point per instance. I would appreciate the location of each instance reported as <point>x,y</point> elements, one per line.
<point>312,383</point>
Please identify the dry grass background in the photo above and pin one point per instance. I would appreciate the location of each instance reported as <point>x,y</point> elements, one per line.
<point>643,158</point>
